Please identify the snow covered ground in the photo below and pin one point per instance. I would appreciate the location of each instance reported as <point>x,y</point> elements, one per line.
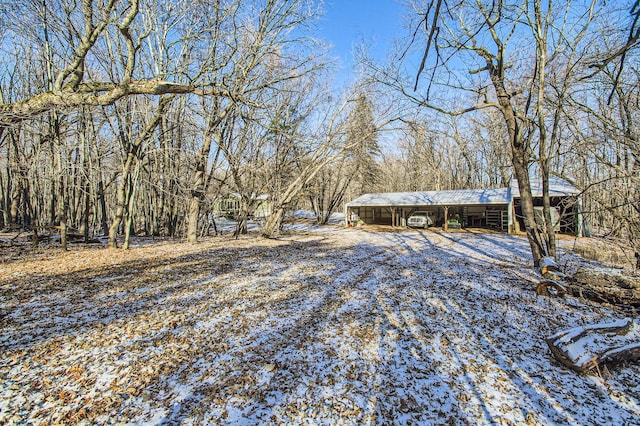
<point>327,325</point>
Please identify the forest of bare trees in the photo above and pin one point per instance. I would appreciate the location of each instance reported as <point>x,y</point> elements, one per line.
<point>133,117</point>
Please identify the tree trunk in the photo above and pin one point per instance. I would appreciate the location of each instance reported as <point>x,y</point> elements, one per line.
<point>52,201</point>
<point>274,221</point>
<point>62,204</point>
<point>29,214</point>
<point>82,182</point>
<point>198,191</point>
<point>540,32</point>
<point>121,202</point>
<point>243,217</point>
<point>548,220</point>
<point>200,179</point>
<point>194,213</point>
<point>6,192</point>
<point>103,206</point>
<point>272,226</point>
<point>520,161</point>
<point>520,166</point>
<point>16,197</point>
<point>131,206</point>
<point>3,206</point>
<point>133,154</point>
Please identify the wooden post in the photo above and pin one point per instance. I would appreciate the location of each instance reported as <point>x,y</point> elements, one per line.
<point>446,218</point>
<point>579,216</point>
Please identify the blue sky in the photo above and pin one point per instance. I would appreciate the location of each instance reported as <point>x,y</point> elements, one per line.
<point>347,23</point>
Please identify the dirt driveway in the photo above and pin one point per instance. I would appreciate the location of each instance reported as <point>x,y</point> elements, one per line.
<point>325,326</point>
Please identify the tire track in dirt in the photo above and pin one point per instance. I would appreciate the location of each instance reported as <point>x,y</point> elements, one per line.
<point>464,376</point>
<point>346,328</point>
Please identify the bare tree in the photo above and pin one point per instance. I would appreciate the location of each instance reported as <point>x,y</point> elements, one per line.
<point>608,145</point>
<point>506,72</point>
<point>78,36</point>
<point>133,147</point>
<point>620,51</point>
<point>325,142</point>
<point>262,58</point>
<point>78,78</point>
<point>356,171</point>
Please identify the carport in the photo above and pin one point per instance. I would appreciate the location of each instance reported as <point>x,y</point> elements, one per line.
<point>486,208</point>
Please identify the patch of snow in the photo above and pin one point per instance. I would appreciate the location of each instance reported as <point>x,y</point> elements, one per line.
<point>334,326</point>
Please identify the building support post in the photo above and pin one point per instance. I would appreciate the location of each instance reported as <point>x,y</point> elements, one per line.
<point>579,223</point>
<point>446,218</point>
<point>346,215</point>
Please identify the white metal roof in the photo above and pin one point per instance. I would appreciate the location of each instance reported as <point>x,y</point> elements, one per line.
<point>435,198</point>
<point>558,187</point>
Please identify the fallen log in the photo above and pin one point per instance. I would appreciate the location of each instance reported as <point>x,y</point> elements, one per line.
<point>549,287</point>
<point>548,264</point>
<point>615,289</point>
<point>584,349</point>
<point>550,269</point>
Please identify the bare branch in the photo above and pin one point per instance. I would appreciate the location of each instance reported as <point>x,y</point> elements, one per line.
<point>90,94</point>
<point>430,39</point>
<point>632,42</point>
